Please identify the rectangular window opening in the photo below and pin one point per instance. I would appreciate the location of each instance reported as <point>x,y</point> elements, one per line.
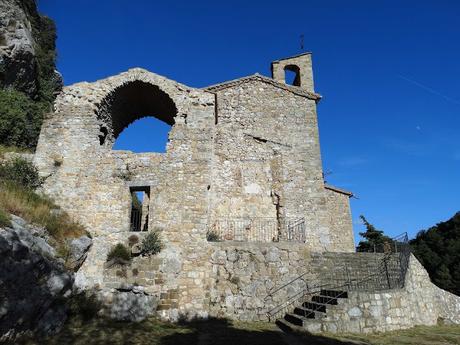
<point>140,202</point>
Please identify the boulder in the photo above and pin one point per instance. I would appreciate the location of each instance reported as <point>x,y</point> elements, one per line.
<point>131,303</point>
<point>34,283</point>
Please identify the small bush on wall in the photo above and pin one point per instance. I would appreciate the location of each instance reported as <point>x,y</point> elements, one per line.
<point>212,236</point>
<point>119,254</point>
<point>151,244</point>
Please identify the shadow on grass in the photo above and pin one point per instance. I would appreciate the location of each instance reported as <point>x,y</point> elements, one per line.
<point>155,332</point>
<point>226,332</point>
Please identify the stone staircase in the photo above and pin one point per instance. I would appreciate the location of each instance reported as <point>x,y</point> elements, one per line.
<point>307,315</point>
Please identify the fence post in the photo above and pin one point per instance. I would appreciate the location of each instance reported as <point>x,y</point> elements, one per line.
<point>386,272</point>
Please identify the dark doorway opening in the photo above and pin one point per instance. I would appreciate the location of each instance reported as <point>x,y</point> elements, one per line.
<point>140,203</point>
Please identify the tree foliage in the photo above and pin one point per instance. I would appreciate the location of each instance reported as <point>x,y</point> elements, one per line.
<point>438,249</point>
<point>373,239</point>
<point>20,119</point>
<point>21,114</point>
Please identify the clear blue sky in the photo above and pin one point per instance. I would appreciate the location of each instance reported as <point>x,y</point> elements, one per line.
<point>389,73</point>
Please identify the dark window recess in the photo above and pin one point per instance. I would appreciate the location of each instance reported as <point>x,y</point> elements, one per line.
<point>292,75</point>
<point>102,135</point>
<point>140,201</point>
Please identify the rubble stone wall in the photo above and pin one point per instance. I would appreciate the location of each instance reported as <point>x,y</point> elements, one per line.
<point>248,150</point>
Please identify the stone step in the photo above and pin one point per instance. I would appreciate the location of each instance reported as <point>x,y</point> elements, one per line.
<point>286,326</point>
<point>315,306</point>
<point>307,313</point>
<point>324,300</point>
<point>334,293</point>
<point>295,319</point>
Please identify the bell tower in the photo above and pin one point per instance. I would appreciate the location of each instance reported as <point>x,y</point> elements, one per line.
<point>301,65</point>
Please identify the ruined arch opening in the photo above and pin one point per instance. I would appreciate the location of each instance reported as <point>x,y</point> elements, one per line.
<point>134,105</point>
<point>292,75</point>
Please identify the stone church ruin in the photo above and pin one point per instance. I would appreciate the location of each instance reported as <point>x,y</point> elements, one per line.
<point>242,163</point>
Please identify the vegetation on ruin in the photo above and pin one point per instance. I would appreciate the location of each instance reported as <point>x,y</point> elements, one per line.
<point>119,254</point>
<point>152,244</point>
<point>212,236</point>
<point>373,238</point>
<point>438,249</point>
<point>222,331</point>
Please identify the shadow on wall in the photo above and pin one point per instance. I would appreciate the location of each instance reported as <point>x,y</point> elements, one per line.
<point>203,332</point>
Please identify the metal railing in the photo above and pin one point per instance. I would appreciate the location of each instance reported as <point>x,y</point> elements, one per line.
<point>258,229</point>
<point>390,274</point>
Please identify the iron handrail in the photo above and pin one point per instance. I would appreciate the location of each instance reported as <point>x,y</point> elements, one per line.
<point>403,264</point>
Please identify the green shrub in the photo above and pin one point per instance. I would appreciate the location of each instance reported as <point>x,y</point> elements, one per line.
<point>151,244</point>
<point>20,119</point>
<point>119,253</point>
<point>21,172</point>
<point>84,305</point>
<point>4,219</point>
<point>212,236</point>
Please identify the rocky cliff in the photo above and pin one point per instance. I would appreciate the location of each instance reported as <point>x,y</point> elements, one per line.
<point>35,285</point>
<point>27,49</point>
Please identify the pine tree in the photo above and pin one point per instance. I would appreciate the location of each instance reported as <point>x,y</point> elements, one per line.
<point>373,239</point>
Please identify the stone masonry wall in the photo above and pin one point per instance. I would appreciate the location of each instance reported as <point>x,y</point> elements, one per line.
<point>92,182</point>
<point>265,153</point>
<point>420,302</point>
<point>341,225</point>
<point>230,153</point>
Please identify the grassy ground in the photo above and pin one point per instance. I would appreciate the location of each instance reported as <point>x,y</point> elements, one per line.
<point>420,335</point>
<point>216,331</point>
<point>39,210</point>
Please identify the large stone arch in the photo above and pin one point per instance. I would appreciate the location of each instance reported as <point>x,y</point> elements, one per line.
<point>129,102</point>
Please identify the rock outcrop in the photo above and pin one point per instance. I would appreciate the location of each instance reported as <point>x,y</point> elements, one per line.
<point>34,283</point>
<point>131,303</point>
<point>21,46</point>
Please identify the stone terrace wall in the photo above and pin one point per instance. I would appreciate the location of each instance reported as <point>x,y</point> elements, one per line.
<point>420,302</point>
<point>243,276</point>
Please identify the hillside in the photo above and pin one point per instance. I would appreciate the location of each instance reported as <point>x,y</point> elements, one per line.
<point>438,249</point>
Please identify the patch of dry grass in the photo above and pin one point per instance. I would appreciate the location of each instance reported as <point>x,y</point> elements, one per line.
<point>41,211</point>
<point>419,335</point>
<point>5,149</point>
